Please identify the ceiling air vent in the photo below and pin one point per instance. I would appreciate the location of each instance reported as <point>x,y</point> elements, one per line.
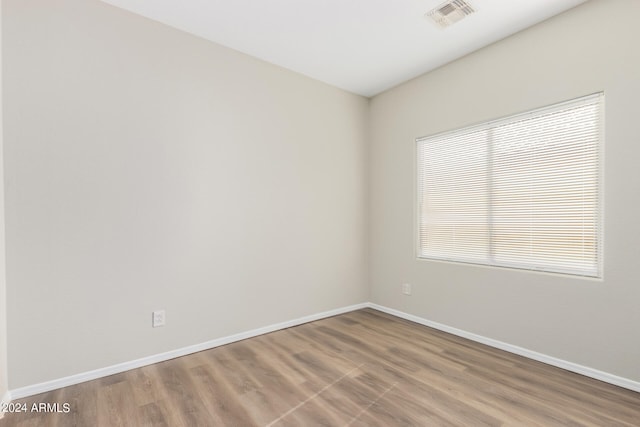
<point>450,12</point>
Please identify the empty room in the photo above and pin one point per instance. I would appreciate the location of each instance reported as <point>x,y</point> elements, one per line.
<point>319,213</point>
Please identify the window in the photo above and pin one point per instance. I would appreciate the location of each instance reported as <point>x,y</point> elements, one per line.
<point>520,192</point>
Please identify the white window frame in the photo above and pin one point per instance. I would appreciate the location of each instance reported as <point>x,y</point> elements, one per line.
<point>597,273</point>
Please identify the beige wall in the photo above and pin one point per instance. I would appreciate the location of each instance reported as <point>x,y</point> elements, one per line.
<point>588,322</point>
<point>146,169</point>
<point>3,283</point>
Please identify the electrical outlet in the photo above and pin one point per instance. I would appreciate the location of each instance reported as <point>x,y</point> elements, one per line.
<point>406,288</point>
<point>158,318</point>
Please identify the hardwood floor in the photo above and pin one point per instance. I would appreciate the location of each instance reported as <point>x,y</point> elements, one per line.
<point>364,368</point>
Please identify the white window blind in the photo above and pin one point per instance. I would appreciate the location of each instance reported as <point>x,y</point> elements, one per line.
<point>521,192</point>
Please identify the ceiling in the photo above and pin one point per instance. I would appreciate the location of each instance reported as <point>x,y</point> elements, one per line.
<point>362,46</point>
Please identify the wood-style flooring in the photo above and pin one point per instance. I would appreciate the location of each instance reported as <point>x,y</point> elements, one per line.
<point>363,368</point>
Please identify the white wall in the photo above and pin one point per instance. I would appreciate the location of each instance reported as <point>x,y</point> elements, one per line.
<point>146,169</point>
<point>588,322</point>
<point>4,387</point>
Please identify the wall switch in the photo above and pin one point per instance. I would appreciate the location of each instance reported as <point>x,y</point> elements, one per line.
<point>406,288</point>
<point>157,318</point>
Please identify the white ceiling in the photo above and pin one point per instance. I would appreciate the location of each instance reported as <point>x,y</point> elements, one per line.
<point>363,46</point>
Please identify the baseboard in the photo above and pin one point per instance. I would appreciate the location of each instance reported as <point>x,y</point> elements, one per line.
<point>549,360</point>
<point>31,390</point>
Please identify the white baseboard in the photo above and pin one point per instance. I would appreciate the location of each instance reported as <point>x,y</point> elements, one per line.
<point>122,367</point>
<point>549,360</point>
<point>31,390</point>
